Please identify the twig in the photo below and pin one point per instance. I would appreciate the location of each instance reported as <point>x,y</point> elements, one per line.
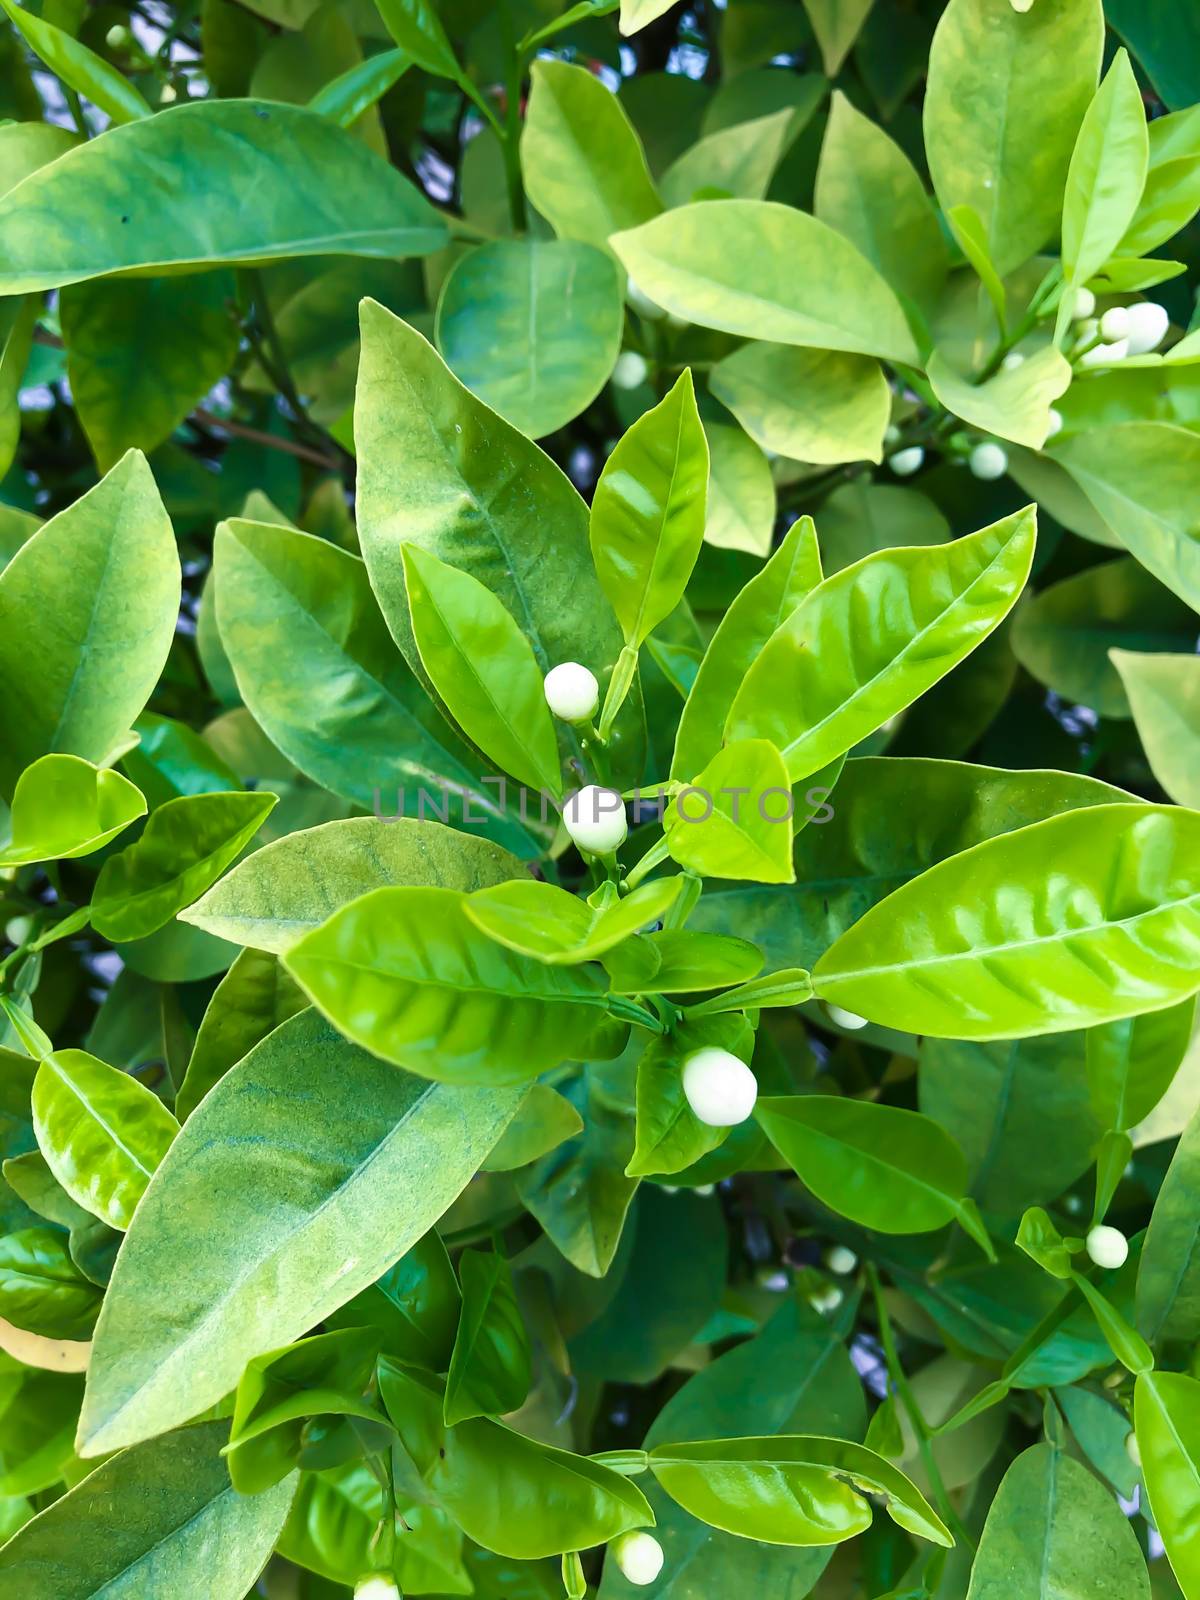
<point>239,430</point>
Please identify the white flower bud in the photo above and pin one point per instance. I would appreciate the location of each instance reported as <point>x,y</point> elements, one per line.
<point>639,1556</point>
<point>1114,324</point>
<point>1133,1451</point>
<point>841,1260</point>
<point>1085,304</point>
<point>1148,324</point>
<point>891,434</point>
<point>1103,355</point>
<point>595,819</point>
<point>630,370</point>
<point>118,36</point>
<point>1108,1247</point>
<point>1012,361</point>
<point>845,1019</point>
<point>572,692</point>
<point>1055,420</point>
<point>720,1089</point>
<point>826,1299</point>
<point>988,461</point>
<point>905,462</point>
<point>376,1587</point>
<point>642,303</point>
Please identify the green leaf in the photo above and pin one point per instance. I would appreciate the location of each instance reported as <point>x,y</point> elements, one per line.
<point>301,626</point>
<point>638,14</point>
<point>553,1501</point>
<point>540,920</point>
<point>741,493</point>
<point>78,67</point>
<point>544,1121</point>
<point>791,987</point>
<point>810,405</point>
<point>1164,697</point>
<point>290,887</point>
<point>1007,93</point>
<point>482,667</point>
<point>1106,176</point>
<point>141,354</point>
<point>583,165</point>
<point>874,637</point>
<point>735,820</point>
<point>1140,476</point>
<point>490,1367</point>
<point>869,190</point>
<point>148,1522</point>
<point>260,1222</point>
<point>26,146</point>
<point>1132,1063</point>
<point>63,807</point>
<point>681,961</point>
<point>251,1001</point>
<point>19,323</point>
<point>1166,1408</point>
<point>883,1167</point>
<point>1130,1349</point>
<point>670,1136</point>
<point>37,1422</point>
<point>1105,936</point>
<point>41,1288</point>
<point>75,681</point>
<point>1171,196</point>
<point>790,1489</point>
<point>345,98</point>
<point>1043,1243</point>
<point>836,23</point>
<point>737,161</point>
<point>862,517</point>
<point>1053,1528</point>
<point>318,191</point>
<point>1064,634</point>
<point>185,847</point>
<point>754,615</point>
<point>647,519</point>
<point>767,272</point>
<point>407,974</point>
<point>1168,1285</point>
<point>533,327</point>
<point>1015,404</point>
<point>102,1132</point>
<point>417,29</point>
<point>414,1305</point>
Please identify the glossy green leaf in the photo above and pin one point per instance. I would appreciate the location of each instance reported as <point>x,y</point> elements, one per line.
<point>64,807</point>
<point>78,67</point>
<point>1164,697</point>
<point>294,884</point>
<point>1111,932</point>
<point>810,405</point>
<point>1168,1285</point>
<point>765,271</point>
<point>259,1222</point>
<point>583,164</point>
<point>790,1489</point>
<point>647,519</point>
<point>185,847</point>
<point>345,98</point>
<point>19,322</point>
<point>102,1132</point>
<point>147,1522</point>
<point>417,28</point>
<point>76,679</point>
<point>1171,196</point>
<point>868,190</point>
<point>883,1167</point>
<point>483,668</point>
<point>681,961</point>
<point>311,189</point>
<point>532,327</point>
<point>1064,634</point>
<point>1043,1243</point>
<point>824,680</point>
<point>755,614</point>
<point>539,920</point>
<point>141,354</point>
<point>251,1001</point>
<point>1015,404</point>
<point>1107,173</point>
<point>741,492</point>
<point>735,820</point>
<point>1007,93</point>
<point>407,974</point>
<point>1167,1418</point>
<point>490,1367</point>
<point>41,1288</point>
<point>414,1305</point>
<point>1054,1529</point>
<point>1131,1063</point>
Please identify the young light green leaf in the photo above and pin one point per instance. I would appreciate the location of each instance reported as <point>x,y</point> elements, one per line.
<point>102,1132</point>
<point>78,67</point>
<point>64,807</point>
<point>545,1119</point>
<point>1164,697</point>
<point>1166,1409</point>
<point>482,667</point>
<point>647,519</point>
<point>735,820</point>
<point>345,98</point>
<point>737,161</point>
<point>250,1002</point>
<point>827,677</point>
<point>1131,1063</point>
<point>1106,176</point>
<point>810,405</point>
<point>768,272</point>
<point>417,29</point>
<point>490,1367</point>
<point>540,920</point>
<point>836,23</point>
<point>1015,404</point>
<point>185,847</point>
<point>741,493</point>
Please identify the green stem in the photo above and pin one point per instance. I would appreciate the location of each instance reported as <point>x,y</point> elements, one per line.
<point>656,853</point>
